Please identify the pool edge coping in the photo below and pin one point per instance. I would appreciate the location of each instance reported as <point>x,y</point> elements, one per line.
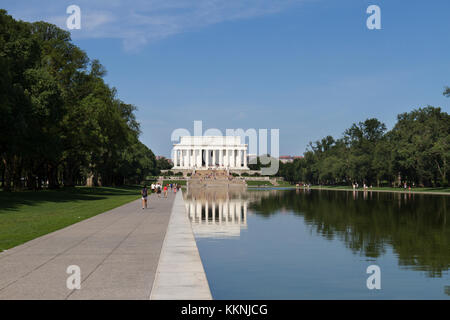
<point>170,283</point>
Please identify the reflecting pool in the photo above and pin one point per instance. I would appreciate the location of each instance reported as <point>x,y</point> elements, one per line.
<point>317,244</point>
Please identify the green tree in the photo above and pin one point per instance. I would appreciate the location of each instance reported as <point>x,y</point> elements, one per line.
<point>362,139</point>
<point>447,92</point>
<point>422,146</point>
<point>59,121</point>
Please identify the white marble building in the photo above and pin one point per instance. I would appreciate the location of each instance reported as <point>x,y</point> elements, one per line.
<point>205,152</point>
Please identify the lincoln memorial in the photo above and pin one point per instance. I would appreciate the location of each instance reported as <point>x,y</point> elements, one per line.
<point>207,152</point>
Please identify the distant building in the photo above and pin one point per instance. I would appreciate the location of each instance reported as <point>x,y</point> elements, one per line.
<point>289,159</point>
<point>252,158</point>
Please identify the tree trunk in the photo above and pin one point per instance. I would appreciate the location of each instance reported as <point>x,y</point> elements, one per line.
<point>31,181</point>
<point>68,176</point>
<point>38,183</point>
<point>7,176</point>
<point>90,180</point>
<point>3,176</point>
<point>93,180</point>
<point>52,176</point>
<point>17,174</point>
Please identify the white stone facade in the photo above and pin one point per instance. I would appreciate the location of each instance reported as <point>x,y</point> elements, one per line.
<point>206,152</point>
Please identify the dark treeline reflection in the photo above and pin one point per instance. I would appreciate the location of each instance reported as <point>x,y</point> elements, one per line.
<point>415,226</point>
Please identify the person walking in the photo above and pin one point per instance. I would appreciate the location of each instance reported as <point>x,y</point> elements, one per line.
<point>158,190</point>
<point>165,190</point>
<point>144,193</point>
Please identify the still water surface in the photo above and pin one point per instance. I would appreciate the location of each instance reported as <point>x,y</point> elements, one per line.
<point>299,244</point>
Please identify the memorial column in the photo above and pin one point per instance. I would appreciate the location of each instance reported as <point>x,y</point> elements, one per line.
<point>175,151</point>
<point>188,162</point>
<point>197,157</point>
<point>245,158</point>
<point>186,158</point>
<point>233,159</point>
<point>181,157</point>
<point>238,158</point>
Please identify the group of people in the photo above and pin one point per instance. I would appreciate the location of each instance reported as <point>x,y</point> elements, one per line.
<point>159,189</point>
<point>355,186</point>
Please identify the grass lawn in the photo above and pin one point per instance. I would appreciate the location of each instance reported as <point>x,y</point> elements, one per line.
<point>259,183</point>
<point>266,183</point>
<point>27,215</point>
<point>446,190</point>
<point>285,184</point>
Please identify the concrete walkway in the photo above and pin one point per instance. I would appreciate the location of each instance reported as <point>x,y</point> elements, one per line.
<point>118,253</point>
<point>180,274</point>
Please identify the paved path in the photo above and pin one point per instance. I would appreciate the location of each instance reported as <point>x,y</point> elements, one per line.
<point>180,274</point>
<point>118,253</point>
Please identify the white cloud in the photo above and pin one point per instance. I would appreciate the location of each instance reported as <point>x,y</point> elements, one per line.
<point>140,21</point>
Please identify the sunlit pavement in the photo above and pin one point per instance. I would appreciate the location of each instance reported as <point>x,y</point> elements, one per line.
<point>117,253</point>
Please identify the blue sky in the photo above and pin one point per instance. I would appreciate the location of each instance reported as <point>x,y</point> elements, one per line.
<point>307,67</point>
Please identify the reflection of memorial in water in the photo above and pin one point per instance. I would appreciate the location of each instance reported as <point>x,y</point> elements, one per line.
<point>217,212</point>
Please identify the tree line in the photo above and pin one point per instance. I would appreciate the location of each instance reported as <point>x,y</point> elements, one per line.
<point>60,123</point>
<point>415,152</point>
